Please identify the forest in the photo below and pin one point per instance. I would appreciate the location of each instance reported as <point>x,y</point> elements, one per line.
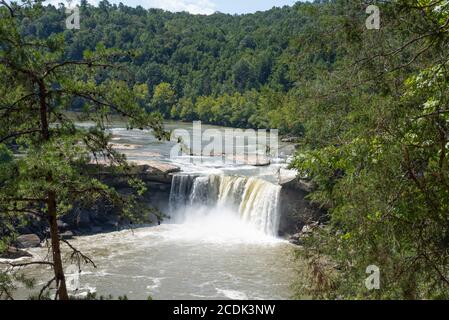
<point>368,108</point>
<point>221,69</point>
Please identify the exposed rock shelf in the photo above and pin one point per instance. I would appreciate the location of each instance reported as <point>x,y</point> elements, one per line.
<point>146,170</point>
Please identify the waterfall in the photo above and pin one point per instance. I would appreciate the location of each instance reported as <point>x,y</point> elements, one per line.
<point>254,201</point>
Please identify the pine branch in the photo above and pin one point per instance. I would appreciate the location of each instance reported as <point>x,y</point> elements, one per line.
<point>78,255</point>
<point>18,134</point>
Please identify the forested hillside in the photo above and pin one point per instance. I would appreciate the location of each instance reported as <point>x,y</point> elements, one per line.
<point>221,69</point>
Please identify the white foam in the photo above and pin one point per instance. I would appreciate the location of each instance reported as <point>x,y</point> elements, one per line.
<point>232,294</point>
<point>221,228</point>
<point>156,283</point>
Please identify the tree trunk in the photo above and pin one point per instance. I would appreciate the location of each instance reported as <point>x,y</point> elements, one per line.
<point>56,249</point>
<point>51,204</point>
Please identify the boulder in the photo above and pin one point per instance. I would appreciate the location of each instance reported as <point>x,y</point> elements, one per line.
<point>286,176</point>
<point>66,235</point>
<point>62,226</point>
<point>28,241</point>
<point>289,139</point>
<point>157,171</point>
<point>14,253</point>
<point>296,209</point>
<point>308,228</point>
<point>306,231</point>
<point>295,239</point>
<point>83,219</point>
<point>291,181</point>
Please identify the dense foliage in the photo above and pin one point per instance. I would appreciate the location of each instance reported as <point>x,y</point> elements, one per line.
<point>203,67</point>
<point>377,138</point>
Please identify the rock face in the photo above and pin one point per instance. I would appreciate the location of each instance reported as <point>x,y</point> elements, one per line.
<point>28,241</point>
<point>296,210</point>
<point>157,171</point>
<point>101,216</point>
<point>83,219</point>
<point>147,171</point>
<point>62,226</point>
<point>66,235</point>
<point>14,253</point>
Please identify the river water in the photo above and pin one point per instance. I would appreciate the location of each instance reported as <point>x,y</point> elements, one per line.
<point>220,242</point>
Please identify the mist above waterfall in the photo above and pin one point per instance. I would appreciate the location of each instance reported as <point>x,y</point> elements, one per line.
<point>225,206</point>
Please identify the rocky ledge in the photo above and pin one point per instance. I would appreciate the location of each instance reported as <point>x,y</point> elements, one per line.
<point>146,170</point>
<point>298,213</point>
<point>14,253</point>
<point>100,217</point>
<point>28,241</point>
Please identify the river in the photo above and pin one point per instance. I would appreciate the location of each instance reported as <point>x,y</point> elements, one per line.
<point>219,243</point>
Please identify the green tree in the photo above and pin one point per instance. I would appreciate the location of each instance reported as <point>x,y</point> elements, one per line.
<point>187,109</point>
<point>37,86</point>
<point>376,149</point>
<point>164,98</point>
<point>244,75</point>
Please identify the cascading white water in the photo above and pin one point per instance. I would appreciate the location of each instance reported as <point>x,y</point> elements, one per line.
<point>252,200</point>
